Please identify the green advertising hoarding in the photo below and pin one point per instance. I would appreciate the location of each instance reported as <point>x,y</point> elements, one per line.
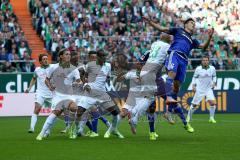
<point>17,83</point>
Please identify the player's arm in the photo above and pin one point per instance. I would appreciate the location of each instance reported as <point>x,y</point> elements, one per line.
<point>33,81</point>
<point>194,80</point>
<point>49,85</point>
<point>214,79</point>
<point>205,44</point>
<point>155,25</point>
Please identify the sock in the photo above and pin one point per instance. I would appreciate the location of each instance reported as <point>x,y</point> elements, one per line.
<point>104,120</point>
<point>33,121</point>
<point>81,125</point>
<point>115,121</point>
<point>212,111</point>
<point>94,125</point>
<point>89,125</point>
<point>168,86</point>
<point>179,111</point>
<point>66,120</point>
<point>191,111</point>
<point>48,123</point>
<point>151,120</point>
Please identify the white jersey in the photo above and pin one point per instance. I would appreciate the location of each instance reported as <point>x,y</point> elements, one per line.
<point>135,84</point>
<point>42,90</point>
<point>97,75</point>
<point>158,52</point>
<point>204,78</point>
<point>62,78</point>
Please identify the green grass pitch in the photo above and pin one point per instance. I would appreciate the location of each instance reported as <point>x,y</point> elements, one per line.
<point>219,141</point>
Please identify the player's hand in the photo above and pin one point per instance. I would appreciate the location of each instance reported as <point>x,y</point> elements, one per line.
<point>213,85</point>
<point>87,88</point>
<point>146,19</point>
<point>27,91</point>
<point>210,32</point>
<point>194,88</point>
<point>52,88</point>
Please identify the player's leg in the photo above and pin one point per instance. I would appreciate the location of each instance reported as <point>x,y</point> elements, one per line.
<point>141,107</point>
<point>114,110</point>
<point>95,116</point>
<point>34,117</point>
<point>49,123</point>
<point>151,120</point>
<point>212,102</point>
<point>38,105</point>
<point>195,102</point>
<point>172,67</point>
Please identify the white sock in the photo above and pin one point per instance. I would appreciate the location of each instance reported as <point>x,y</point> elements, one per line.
<point>33,121</point>
<point>191,111</point>
<point>212,111</point>
<point>48,123</point>
<point>81,125</point>
<point>115,122</point>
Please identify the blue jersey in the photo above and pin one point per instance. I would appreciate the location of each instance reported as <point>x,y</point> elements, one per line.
<point>182,41</point>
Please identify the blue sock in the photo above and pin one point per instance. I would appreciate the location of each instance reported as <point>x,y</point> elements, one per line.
<point>95,116</point>
<point>171,107</point>
<point>168,86</point>
<point>66,120</point>
<point>103,119</point>
<point>89,125</point>
<point>179,112</point>
<point>151,120</point>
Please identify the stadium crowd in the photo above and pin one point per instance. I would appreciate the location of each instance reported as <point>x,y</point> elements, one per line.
<point>117,27</point>
<point>13,45</point>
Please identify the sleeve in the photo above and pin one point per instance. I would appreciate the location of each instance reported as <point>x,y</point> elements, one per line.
<point>50,71</point>
<point>195,43</point>
<point>35,73</point>
<point>173,31</point>
<point>195,76</point>
<point>214,75</point>
<point>127,75</point>
<point>76,74</point>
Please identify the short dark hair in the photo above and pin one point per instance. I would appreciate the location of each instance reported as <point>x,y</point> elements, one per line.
<point>100,52</point>
<point>62,51</point>
<point>206,56</point>
<point>41,56</point>
<point>92,52</point>
<point>189,19</point>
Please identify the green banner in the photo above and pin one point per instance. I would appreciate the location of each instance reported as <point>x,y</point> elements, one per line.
<point>17,83</point>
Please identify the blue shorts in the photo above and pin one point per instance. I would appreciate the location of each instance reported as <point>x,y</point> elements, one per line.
<point>177,64</point>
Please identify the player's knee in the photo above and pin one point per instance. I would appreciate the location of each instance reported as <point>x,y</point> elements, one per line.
<point>72,106</point>
<point>57,112</point>
<point>37,109</point>
<point>114,110</point>
<point>212,103</point>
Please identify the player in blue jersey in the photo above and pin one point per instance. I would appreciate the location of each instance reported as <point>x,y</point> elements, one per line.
<point>177,61</point>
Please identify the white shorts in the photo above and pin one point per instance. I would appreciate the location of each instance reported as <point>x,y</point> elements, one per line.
<point>89,100</point>
<point>58,97</point>
<point>200,95</point>
<point>43,101</point>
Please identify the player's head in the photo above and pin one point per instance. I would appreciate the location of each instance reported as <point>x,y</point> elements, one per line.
<point>101,56</point>
<point>188,21</point>
<point>92,56</point>
<point>64,55</point>
<point>205,61</point>
<point>43,59</point>
<point>166,38</point>
<point>74,58</point>
<point>189,25</point>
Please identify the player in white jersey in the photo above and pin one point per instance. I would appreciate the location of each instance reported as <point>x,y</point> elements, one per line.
<point>59,79</point>
<point>154,63</point>
<point>203,82</point>
<point>98,72</point>
<point>43,96</point>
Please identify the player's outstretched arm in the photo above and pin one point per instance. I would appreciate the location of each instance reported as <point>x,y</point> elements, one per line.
<point>33,81</point>
<point>205,45</point>
<point>155,25</point>
<point>48,83</point>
